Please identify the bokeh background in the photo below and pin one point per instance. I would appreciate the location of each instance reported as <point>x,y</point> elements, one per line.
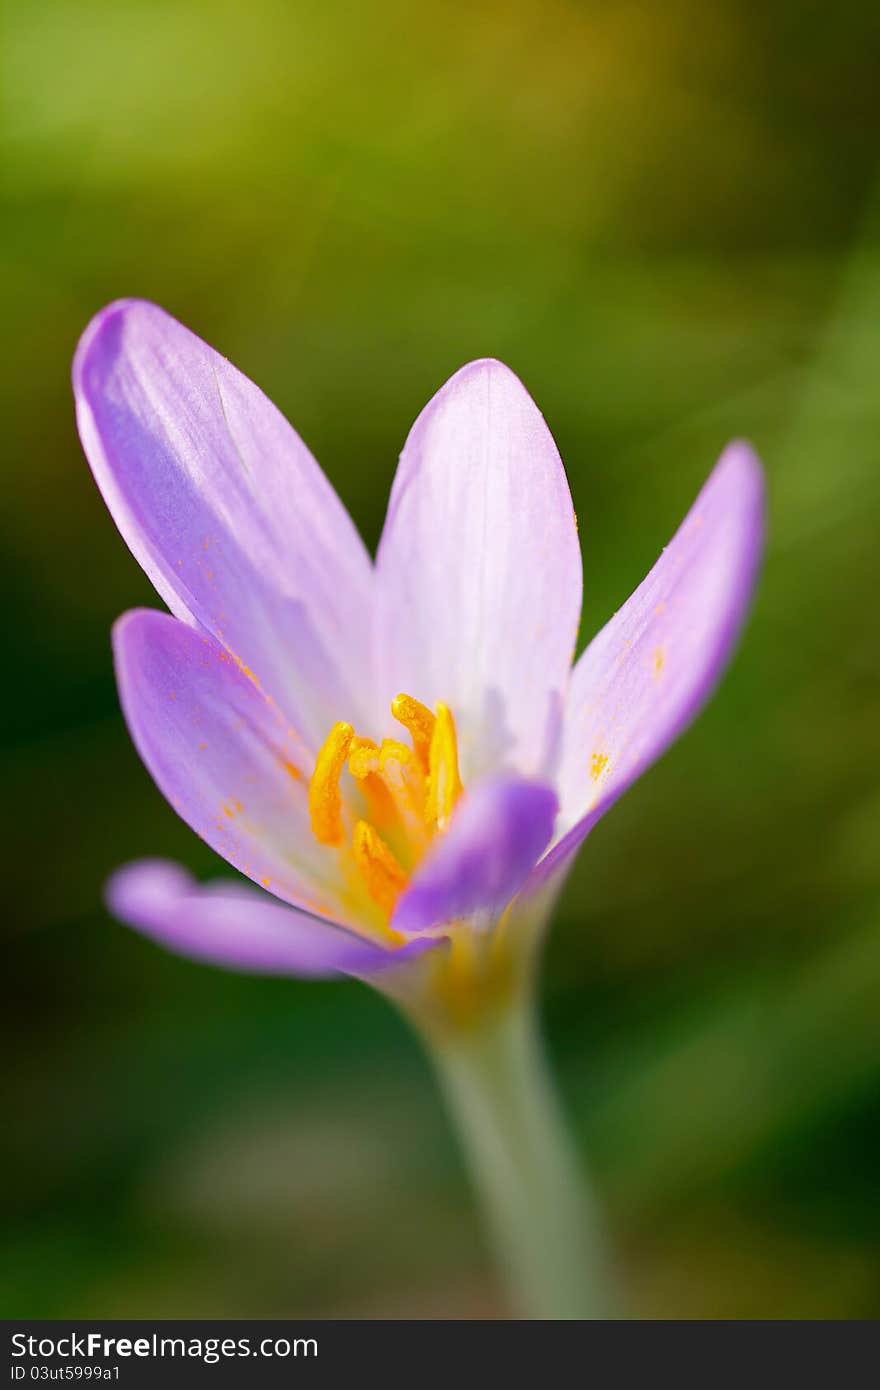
<point>664,216</point>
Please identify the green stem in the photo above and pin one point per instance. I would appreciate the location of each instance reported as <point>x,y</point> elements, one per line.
<point>541,1222</point>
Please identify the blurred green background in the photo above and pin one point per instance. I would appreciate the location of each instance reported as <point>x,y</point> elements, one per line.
<point>664,218</point>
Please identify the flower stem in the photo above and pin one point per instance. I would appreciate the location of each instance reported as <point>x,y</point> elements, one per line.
<point>541,1222</point>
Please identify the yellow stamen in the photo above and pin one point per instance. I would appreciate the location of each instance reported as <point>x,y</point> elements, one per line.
<point>404,795</point>
<point>444,781</point>
<point>363,764</point>
<point>383,877</point>
<point>419,721</point>
<point>358,743</point>
<point>393,782</point>
<point>325,801</point>
<point>367,758</point>
<point>399,769</point>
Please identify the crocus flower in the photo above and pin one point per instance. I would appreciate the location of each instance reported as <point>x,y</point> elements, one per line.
<point>401,756</point>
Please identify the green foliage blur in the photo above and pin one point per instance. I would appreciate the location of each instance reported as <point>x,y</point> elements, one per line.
<point>663,216</point>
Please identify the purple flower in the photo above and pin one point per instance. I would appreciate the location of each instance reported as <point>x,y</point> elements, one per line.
<point>400,755</point>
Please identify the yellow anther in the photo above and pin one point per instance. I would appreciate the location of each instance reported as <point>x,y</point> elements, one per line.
<point>393,784</point>
<point>419,721</point>
<point>363,764</point>
<point>367,758</point>
<point>325,802</point>
<point>398,798</point>
<point>383,877</point>
<point>444,781</point>
<point>358,743</point>
<point>363,761</point>
<point>392,751</point>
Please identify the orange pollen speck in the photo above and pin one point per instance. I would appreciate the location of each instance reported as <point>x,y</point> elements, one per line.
<point>598,764</point>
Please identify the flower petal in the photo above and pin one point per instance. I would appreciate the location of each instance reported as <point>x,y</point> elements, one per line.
<point>493,842</point>
<point>652,667</point>
<point>236,928</point>
<point>226,510</point>
<point>479,571</point>
<point>222,754</point>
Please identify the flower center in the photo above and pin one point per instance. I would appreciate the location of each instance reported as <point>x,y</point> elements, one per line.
<point>396,797</point>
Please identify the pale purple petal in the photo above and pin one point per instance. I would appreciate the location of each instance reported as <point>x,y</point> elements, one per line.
<point>652,667</point>
<point>227,511</point>
<point>222,754</point>
<point>479,572</point>
<point>236,928</point>
<point>494,840</point>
